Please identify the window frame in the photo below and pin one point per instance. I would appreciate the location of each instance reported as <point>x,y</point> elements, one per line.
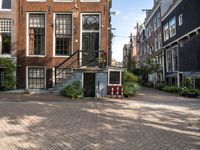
<point>27,34</point>
<point>166,36</point>
<point>173,67</point>
<point>180,19</point>
<point>167,61</point>
<point>120,77</point>
<point>89,31</point>
<point>6,9</point>
<point>170,29</point>
<point>54,37</point>
<point>27,76</point>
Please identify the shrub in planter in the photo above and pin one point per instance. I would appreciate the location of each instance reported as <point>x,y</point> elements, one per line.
<point>159,86</point>
<point>73,90</point>
<point>130,89</point>
<point>171,89</point>
<point>188,92</point>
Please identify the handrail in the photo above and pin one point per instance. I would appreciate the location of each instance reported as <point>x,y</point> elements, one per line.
<point>77,52</point>
<point>67,59</point>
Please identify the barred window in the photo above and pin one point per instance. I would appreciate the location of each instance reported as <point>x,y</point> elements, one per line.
<point>36,34</point>
<point>114,77</point>
<point>91,22</point>
<point>5,25</point>
<point>36,78</point>
<point>63,34</point>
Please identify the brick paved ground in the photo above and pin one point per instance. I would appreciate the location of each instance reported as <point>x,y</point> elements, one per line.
<point>152,120</point>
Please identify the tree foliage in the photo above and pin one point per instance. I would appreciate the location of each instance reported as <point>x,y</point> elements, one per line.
<point>10,81</point>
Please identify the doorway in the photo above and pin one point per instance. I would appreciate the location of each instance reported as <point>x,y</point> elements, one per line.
<point>89,84</point>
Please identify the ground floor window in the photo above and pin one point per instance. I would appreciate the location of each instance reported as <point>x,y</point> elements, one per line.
<point>114,77</point>
<point>62,74</point>
<point>36,77</point>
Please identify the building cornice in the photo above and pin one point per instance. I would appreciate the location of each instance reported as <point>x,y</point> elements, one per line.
<point>153,11</point>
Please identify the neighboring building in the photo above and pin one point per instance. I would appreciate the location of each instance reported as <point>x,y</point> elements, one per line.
<point>153,41</point>
<point>61,41</point>
<point>126,51</point>
<point>7,35</point>
<point>181,33</point>
<point>129,53</point>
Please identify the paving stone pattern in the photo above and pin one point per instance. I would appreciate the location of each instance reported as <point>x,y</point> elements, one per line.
<point>152,120</point>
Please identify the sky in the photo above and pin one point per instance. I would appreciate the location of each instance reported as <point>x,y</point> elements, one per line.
<point>128,13</point>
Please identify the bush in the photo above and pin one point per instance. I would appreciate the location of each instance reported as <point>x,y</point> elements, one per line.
<point>129,77</point>
<point>9,82</point>
<point>130,85</point>
<point>188,92</point>
<point>73,90</point>
<point>159,86</point>
<point>149,84</point>
<point>130,89</point>
<point>171,89</point>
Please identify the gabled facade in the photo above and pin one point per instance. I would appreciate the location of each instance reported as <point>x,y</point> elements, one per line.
<point>181,41</point>
<point>8,43</point>
<point>58,38</point>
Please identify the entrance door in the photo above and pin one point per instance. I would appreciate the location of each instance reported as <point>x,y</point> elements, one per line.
<point>2,78</point>
<point>89,84</point>
<point>90,46</point>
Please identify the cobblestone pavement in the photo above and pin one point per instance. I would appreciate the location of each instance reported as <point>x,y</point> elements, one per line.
<point>152,120</point>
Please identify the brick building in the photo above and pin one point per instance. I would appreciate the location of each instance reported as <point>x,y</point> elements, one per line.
<point>64,40</point>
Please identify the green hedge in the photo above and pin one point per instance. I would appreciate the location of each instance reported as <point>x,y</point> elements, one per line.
<point>73,90</point>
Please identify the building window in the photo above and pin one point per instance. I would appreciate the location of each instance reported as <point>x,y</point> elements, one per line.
<point>36,34</point>
<point>5,36</point>
<point>166,32</point>
<point>5,4</point>
<point>175,58</point>
<point>155,23</point>
<point>168,61</point>
<point>172,25</point>
<point>63,34</point>
<point>180,19</point>
<point>36,78</point>
<point>90,38</point>
<point>159,41</point>
<point>158,19</point>
<point>114,78</point>
<point>62,74</point>
<point>156,44</point>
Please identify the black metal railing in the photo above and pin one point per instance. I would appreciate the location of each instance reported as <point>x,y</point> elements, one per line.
<point>78,59</point>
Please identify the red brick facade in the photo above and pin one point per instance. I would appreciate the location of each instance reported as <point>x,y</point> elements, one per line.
<point>49,8</point>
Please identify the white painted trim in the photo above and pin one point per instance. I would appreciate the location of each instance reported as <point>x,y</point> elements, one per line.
<point>120,77</point>
<point>27,34</point>
<point>167,65</point>
<point>54,39</point>
<point>91,31</point>
<point>172,50</point>
<point>27,67</point>
<point>185,35</point>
